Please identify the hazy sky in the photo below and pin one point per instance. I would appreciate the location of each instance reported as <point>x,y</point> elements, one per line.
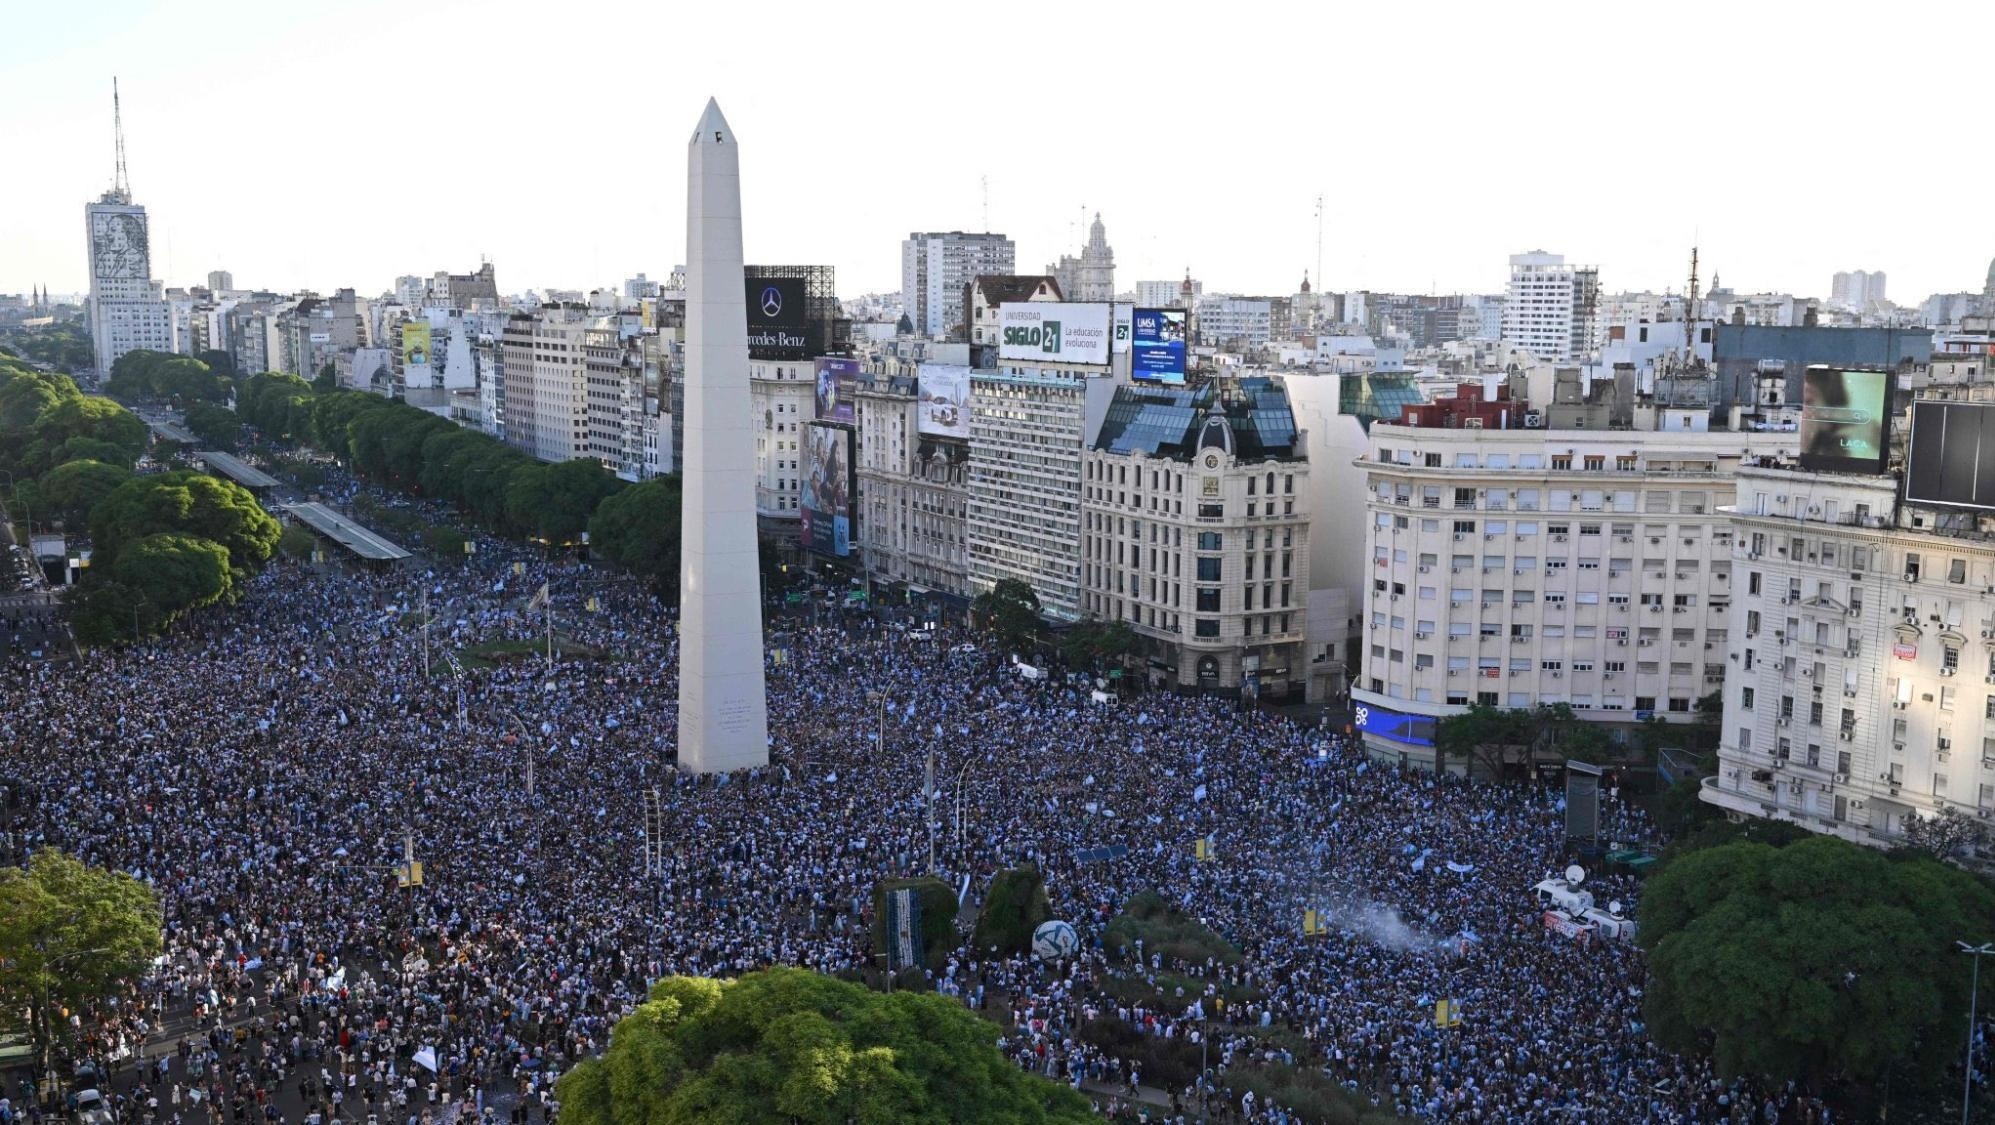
<point>342,144</point>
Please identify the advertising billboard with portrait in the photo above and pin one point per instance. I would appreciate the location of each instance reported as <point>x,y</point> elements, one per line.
<point>1053,332</point>
<point>1950,457</point>
<point>1157,348</point>
<point>837,382</point>
<point>777,318</point>
<point>830,480</point>
<point>1845,420</point>
<point>943,408</point>
<point>415,343</point>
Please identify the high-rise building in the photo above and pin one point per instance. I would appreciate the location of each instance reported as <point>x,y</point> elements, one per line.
<point>913,491</point>
<point>1195,530</point>
<point>936,266</point>
<point>1233,321</point>
<point>1090,277</point>
<point>1028,429</point>
<point>547,381</point>
<point>1168,294</point>
<point>1549,309</point>
<point>128,309</point>
<point>1857,289</point>
<point>220,282</point>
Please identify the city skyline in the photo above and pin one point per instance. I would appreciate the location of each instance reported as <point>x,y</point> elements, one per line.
<point>344,202</point>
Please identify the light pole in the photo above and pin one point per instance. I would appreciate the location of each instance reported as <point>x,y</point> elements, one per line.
<point>1973,994</point>
<point>526,747</point>
<point>961,775</point>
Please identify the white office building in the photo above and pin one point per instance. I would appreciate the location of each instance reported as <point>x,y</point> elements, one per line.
<point>1028,428</point>
<point>1861,682</point>
<point>1233,321</point>
<point>935,268</point>
<point>128,310</point>
<point>1518,567</point>
<point>1549,308</point>
<point>782,399</point>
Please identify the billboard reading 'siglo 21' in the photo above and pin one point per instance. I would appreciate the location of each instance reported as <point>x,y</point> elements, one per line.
<point>1845,420</point>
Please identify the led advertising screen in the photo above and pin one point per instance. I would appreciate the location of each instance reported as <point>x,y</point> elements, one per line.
<point>1157,351</point>
<point>1123,315</point>
<point>1415,730</point>
<point>944,406</point>
<point>837,381</point>
<point>829,484</point>
<point>1950,457</point>
<point>1845,420</point>
<point>1053,332</point>
<point>776,318</point>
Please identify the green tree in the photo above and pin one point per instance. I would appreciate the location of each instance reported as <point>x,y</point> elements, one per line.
<point>1095,644</point>
<point>1014,908</point>
<point>327,380</point>
<point>638,530</point>
<point>1010,609</point>
<point>94,417</point>
<point>446,543</point>
<point>174,572</point>
<point>554,502</point>
<point>24,398</point>
<point>218,427</point>
<point>296,542</point>
<point>70,935</point>
<point>1865,975</point>
<point>331,414</point>
<point>189,503</point>
<point>73,488</point>
<point>218,362</point>
<point>790,1045</point>
<point>1484,738</point>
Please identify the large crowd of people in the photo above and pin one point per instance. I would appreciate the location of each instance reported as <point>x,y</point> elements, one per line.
<point>267,767</point>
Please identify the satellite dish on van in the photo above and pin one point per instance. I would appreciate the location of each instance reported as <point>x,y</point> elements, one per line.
<point>1575,874</point>
<point>1614,907</point>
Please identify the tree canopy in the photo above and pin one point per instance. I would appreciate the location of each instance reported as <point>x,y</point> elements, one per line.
<point>143,374</point>
<point>1010,609</point>
<point>73,488</point>
<point>70,935</point>
<point>189,503</point>
<point>638,530</point>
<point>175,573</point>
<point>1815,961</point>
<point>1493,740</point>
<point>790,1045</point>
<point>218,427</point>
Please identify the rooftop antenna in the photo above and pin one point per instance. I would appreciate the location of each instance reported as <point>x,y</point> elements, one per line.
<point>121,184</point>
<point>1319,240</point>
<point>986,182</point>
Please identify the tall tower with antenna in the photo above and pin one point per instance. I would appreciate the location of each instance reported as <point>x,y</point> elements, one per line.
<point>127,310</point>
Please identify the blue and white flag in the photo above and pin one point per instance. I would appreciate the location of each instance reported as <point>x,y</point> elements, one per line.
<point>904,924</point>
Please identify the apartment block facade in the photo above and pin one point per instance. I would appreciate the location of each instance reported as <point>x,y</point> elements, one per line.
<point>913,494</point>
<point>1861,688</point>
<point>1517,567</point>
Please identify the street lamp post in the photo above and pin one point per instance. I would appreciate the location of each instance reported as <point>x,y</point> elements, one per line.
<point>961,776</point>
<point>1973,995</point>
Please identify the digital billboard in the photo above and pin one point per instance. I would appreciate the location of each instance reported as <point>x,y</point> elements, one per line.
<point>1415,730</point>
<point>944,406</point>
<point>829,484</point>
<point>837,382</point>
<point>777,318</point>
<point>1123,314</point>
<point>1157,346</point>
<point>1845,420</point>
<point>1950,457</point>
<point>415,343</point>
<point>1053,332</point>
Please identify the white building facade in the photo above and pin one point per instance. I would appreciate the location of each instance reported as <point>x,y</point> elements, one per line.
<point>128,310</point>
<point>1861,689</point>
<point>1234,320</point>
<point>1549,308</point>
<point>1512,568</point>
<point>913,494</point>
<point>936,266</point>
<point>782,399</point>
<point>1028,427</point>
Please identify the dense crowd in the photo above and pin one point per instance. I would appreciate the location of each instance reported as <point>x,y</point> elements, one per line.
<point>267,766</point>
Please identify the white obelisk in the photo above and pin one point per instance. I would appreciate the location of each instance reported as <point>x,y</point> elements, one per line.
<point>723,705</point>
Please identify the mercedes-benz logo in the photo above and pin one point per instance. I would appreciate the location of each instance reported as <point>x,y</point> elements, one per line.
<point>1362,715</point>
<point>772,301</point>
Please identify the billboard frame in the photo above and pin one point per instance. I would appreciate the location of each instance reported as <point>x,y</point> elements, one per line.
<point>1945,473</point>
<point>809,514</point>
<point>1821,381</point>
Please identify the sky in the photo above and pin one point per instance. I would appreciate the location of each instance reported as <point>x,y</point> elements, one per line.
<point>328,145</point>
